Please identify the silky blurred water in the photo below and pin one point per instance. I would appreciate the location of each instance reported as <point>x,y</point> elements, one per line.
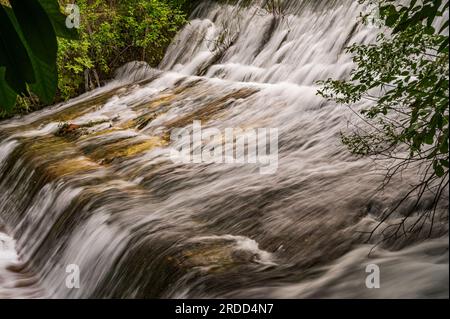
<point>102,191</point>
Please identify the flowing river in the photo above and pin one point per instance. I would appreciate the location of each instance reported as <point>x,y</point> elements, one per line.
<point>92,183</point>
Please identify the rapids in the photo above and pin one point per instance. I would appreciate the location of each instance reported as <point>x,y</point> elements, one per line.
<point>91,182</point>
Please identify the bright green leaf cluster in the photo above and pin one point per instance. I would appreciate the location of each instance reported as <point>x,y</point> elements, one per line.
<point>113,33</point>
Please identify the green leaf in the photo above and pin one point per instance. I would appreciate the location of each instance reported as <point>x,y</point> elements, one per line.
<point>7,95</point>
<point>429,139</point>
<point>19,69</point>
<point>58,20</point>
<point>36,29</point>
<point>444,146</point>
<point>429,30</point>
<point>392,19</point>
<point>439,170</point>
<point>47,80</point>
<point>45,73</point>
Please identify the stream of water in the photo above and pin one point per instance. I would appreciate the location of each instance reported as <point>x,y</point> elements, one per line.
<point>92,182</point>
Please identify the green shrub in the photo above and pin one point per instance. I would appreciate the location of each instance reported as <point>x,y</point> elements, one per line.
<point>113,33</point>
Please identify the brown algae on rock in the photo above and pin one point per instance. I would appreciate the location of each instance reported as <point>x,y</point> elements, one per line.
<point>124,149</point>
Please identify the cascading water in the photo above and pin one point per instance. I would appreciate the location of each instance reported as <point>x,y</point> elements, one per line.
<point>101,191</point>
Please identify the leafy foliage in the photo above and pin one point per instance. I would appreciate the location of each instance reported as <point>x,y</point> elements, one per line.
<point>111,33</point>
<point>405,75</point>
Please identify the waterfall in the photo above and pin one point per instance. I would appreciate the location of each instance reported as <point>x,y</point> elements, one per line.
<point>92,182</point>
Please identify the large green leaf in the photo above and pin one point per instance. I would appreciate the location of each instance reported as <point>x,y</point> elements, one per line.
<point>58,20</point>
<point>37,29</point>
<point>14,56</point>
<point>7,95</point>
<point>47,80</point>
<point>45,72</point>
